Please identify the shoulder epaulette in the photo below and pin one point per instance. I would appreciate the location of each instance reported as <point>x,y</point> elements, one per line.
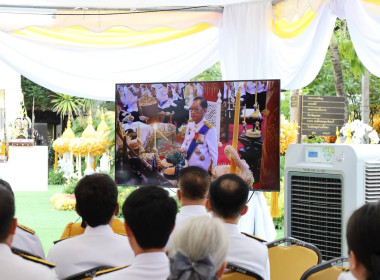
<point>26,229</point>
<point>254,237</point>
<point>105,271</point>
<point>122,234</point>
<point>190,120</point>
<point>36,260</point>
<point>18,251</point>
<point>57,241</point>
<point>208,124</point>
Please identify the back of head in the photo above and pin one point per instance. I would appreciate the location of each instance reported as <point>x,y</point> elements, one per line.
<point>228,196</point>
<point>194,183</point>
<point>6,185</point>
<point>363,231</point>
<point>150,213</point>
<point>200,237</point>
<point>96,199</point>
<point>7,212</point>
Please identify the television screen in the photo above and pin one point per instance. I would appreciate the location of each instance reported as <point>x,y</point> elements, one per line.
<point>222,127</point>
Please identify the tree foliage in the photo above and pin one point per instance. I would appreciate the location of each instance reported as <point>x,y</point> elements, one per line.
<point>42,99</point>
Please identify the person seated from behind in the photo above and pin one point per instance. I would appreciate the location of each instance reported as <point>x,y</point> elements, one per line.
<point>227,200</point>
<point>363,231</point>
<point>193,186</point>
<point>149,214</point>
<point>12,266</point>
<point>199,250</point>
<point>96,203</point>
<point>25,239</point>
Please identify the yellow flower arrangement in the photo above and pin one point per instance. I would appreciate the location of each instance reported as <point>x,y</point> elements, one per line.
<point>288,133</point>
<point>62,145</point>
<point>62,201</point>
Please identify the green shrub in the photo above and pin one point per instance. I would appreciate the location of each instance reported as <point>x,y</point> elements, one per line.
<point>69,186</point>
<point>56,178</point>
<point>124,192</point>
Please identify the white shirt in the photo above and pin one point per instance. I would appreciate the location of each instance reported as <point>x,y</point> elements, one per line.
<point>16,268</point>
<point>28,242</point>
<point>163,97</point>
<point>146,266</point>
<point>131,100</point>
<point>95,247</point>
<point>247,252</point>
<point>207,150</point>
<point>346,276</point>
<point>186,213</point>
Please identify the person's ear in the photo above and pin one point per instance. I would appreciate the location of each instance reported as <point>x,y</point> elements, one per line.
<point>117,209</point>
<point>354,264</point>
<point>208,204</point>
<point>128,230</point>
<point>179,194</point>
<point>221,270</point>
<point>76,209</point>
<point>244,211</point>
<point>13,226</point>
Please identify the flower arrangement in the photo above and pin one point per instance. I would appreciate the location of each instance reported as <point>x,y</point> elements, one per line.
<point>361,133</point>
<point>288,135</point>
<point>62,201</point>
<point>182,131</point>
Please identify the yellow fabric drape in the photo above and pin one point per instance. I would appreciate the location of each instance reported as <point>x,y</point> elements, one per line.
<point>274,204</point>
<point>116,36</point>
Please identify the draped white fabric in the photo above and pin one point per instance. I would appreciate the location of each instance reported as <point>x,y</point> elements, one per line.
<point>250,50</point>
<point>364,29</point>
<point>92,73</point>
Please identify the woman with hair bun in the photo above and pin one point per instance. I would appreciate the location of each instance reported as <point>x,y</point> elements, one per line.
<point>363,239</point>
<point>198,250</point>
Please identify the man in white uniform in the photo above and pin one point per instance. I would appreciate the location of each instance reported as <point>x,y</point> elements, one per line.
<point>12,266</point>
<point>149,214</point>
<point>193,186</point>
<point>227,200</point>
<point>96,203</point>
<point>25,239</point>
<point>200,144</point>
<point>132,95</point>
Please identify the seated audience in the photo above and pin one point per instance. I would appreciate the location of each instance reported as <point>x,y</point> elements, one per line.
<point>149,214</point>
<point>363,231</point>
<point>96,203</point>
<point>198,250</point>
<point>12,266</point>
<point>25,239</point>
<point>193,186</point>
<point>228,197</point>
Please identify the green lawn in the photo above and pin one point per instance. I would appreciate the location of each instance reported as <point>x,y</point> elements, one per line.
<point>34,210</point>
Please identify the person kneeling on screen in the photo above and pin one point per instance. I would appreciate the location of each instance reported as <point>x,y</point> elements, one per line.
<point>200,144</point>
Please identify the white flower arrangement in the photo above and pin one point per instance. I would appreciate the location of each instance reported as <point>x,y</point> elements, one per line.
<point>361,133</point>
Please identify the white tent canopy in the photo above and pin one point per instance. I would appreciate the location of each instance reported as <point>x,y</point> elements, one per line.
<point>240,35</point>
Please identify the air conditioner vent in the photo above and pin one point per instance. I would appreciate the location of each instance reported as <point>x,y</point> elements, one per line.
<point>316,211</point>
<point>372,181</point>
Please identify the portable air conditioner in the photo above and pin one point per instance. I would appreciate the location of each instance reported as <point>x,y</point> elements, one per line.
<point>324,184</point>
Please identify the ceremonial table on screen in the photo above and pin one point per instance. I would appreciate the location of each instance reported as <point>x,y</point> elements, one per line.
<point>26,168</point>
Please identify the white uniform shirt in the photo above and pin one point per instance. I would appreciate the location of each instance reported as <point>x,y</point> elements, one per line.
<point>131,100</point>
<point>346,276</point>
<point>16,268</point>
<point>250,87</point>
<point>28,242</point>
<point>146,266</point>
<point>207,150</point>
<point>163,98</point>
<point>186,213</point>
<point>247,252</point>
<point>95,247</point>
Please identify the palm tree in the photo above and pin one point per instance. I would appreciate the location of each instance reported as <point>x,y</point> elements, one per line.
<point>67,105</point>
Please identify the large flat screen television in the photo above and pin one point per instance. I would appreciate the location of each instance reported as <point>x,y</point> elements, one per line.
<point>163,127</point>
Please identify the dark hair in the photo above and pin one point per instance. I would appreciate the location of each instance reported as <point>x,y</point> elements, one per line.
<point>203,101</point>
<point>7,212</point>
<point>363,231</point>
<point>7,186</point>
<point>194,182</point>
<point>150,213</point>
<point>96,197</point>
<point>228,195</point>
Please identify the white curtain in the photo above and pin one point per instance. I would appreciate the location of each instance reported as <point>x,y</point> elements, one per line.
<point>364,29</point>
<point>93,72</point>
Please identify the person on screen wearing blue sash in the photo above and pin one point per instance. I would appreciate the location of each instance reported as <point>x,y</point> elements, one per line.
<point>200,144</point>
